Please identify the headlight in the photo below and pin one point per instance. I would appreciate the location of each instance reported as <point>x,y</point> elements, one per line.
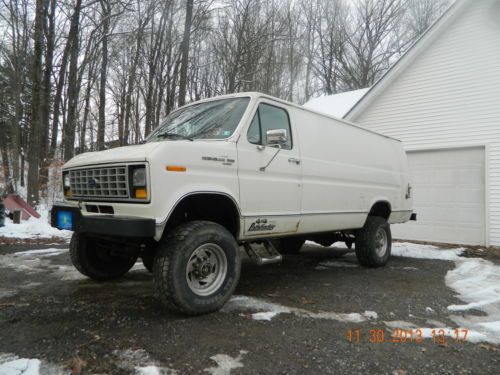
<point>139,177</point>
<point>66,181</point>
<point>67,185</point>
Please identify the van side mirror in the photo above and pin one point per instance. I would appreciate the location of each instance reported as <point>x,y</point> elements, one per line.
<point>276,137</point>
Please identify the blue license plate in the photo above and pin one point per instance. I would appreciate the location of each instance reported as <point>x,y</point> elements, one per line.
<point>64,220</point>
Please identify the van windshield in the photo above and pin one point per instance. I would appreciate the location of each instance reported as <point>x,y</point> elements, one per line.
<point>216,119</point>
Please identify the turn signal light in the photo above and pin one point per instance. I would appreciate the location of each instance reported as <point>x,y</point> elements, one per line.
<point>176,168</point>
<point>141,193</point>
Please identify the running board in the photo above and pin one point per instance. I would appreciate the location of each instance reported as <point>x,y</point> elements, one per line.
<point>265,254</point>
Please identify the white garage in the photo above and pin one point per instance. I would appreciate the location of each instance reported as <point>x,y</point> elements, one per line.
<point>442,100</point>
<point>448,191</point>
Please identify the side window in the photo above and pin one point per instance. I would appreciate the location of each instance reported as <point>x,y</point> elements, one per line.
<point>266,118</point>
<point>253,134</point>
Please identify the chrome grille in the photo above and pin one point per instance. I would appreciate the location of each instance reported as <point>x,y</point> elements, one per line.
<point>108,183</point>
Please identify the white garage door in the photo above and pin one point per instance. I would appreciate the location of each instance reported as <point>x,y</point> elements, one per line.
<point>448,191</point>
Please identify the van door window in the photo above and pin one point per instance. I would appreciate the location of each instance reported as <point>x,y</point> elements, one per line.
<point>268,117</point>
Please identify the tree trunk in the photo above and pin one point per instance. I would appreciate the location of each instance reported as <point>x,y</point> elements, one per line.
<point>185,53</point>
<point>101,124</point>
<point>36,120</point>
<point>43,177</point>
<point>69,130</point>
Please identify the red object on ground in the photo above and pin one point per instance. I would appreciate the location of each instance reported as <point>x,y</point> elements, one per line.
<point>15,202</point>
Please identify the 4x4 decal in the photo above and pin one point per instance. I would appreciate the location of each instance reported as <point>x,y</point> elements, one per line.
<point>261,225</point>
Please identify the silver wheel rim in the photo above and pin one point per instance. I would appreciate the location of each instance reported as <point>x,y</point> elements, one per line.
<point>206,269</point>
<point>380,242</point>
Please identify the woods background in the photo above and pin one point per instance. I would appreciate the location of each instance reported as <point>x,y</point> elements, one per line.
<point>85,75</point>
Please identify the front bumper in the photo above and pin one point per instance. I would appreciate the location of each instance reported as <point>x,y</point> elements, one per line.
<point>70,217</point>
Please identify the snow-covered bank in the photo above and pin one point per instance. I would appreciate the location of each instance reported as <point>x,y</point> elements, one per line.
<point>33,229</point>
<point>476,282</point>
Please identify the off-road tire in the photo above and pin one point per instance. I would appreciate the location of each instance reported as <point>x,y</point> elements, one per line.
<point>291,245</point>
<point>148,262</point>
<point>94,259</point>
<point>367,240</point>
<point>170,267</point>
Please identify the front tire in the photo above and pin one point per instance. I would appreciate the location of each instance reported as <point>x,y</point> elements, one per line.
<point>97,260</point>
<point>196,268</point>
<point>373,242</point>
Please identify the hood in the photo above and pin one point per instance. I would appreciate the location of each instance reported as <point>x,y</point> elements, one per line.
<point>123,154</point>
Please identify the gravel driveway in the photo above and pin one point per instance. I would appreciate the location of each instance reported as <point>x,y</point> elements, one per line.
<point>317,312</point>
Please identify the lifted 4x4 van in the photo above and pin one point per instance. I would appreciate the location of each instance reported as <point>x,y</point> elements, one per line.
<point>237,170</point>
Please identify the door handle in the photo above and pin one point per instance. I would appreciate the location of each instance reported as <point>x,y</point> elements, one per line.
<point>294,160</point>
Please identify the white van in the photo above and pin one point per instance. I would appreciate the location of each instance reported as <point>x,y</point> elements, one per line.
<point>236,170</point>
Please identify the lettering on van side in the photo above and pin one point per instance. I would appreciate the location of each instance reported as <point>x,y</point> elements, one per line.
<point>224,159</point>
<point>261,225</point>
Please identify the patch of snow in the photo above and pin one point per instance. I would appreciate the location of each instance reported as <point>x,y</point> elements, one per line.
<point>13,365</point>
<point>36,261</point>
<point>268,310</point>
<point>429,309</point>
<point>33,228</point>
<point>149,370</point>
<point>411,250</point>
<point>20,366</point>
<point>400,324</point>
<point>139,362</point>
<point>336,245</point>
<point>475,280</point>
<point>5,293</point>
<point>43,252</point>
<point>256,316</point>
<point>225,363</point>
<point>336,105</point>
<point>370,314</point>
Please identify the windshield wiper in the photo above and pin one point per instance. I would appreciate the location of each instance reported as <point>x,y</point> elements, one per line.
<point>173,135</point>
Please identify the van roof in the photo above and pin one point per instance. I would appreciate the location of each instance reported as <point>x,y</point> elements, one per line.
<point>256,95</point>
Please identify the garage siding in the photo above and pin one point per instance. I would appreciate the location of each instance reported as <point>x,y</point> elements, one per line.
<point>446,94</point>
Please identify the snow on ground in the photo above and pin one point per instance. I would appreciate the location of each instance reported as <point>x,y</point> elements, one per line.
<point>225,363</point>
<point>412,250</point>
<point>36,261</point>
<point>476,282</point>
<point>268,310</point>
<point>33,228</point>
<point>13,365</point>
<point>138,362</point>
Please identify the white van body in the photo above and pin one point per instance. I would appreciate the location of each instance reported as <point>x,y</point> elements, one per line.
<point>244,169</point>
<point>329,181</point>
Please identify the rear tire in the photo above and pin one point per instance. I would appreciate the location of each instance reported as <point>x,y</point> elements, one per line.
<point>373,242</point>
<point>196,268</point>
<point>289,245</point>
<point>95,259</point>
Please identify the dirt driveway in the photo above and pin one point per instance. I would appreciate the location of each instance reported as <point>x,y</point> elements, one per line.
<point>317,312</point>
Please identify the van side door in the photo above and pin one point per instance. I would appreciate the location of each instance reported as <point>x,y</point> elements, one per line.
<point>270,199</point>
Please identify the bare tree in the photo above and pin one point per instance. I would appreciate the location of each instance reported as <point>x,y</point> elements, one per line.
<point>36,124</point>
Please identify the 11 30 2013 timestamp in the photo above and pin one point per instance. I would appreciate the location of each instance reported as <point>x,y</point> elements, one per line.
<point>439,336</point>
